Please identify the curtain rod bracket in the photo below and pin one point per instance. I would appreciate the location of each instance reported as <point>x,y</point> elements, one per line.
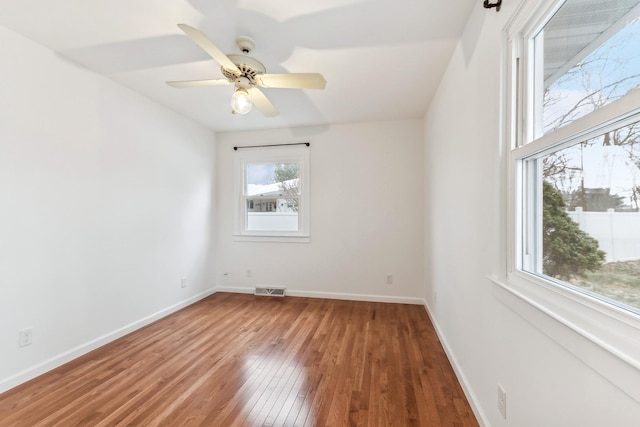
<point>497,5</point>
<point>271,145</point>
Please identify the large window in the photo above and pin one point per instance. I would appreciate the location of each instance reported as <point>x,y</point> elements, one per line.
<point>575,148</point>
<point>273,191</point>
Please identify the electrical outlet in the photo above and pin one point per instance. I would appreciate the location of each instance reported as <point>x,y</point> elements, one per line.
<point>183,282</point>
<point>389,279</point>
<point>502,401</point>
<point>249,273</point>
<point>25,337</point>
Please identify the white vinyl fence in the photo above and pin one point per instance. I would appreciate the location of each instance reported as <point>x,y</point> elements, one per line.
<point>618,233</point>
<point>269,221</point>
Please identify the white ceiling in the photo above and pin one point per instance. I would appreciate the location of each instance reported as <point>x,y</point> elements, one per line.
<point>382,59</point>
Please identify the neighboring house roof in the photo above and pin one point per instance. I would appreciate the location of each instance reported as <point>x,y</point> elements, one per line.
<point>269,189</point>
<point>580,27</point>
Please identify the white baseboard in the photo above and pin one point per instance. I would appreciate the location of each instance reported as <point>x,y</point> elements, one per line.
<point>332,295</point>
<point>462,379</point>
<point>61,359</point>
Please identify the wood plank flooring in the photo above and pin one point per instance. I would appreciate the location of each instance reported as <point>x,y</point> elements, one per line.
<point>242,360</point>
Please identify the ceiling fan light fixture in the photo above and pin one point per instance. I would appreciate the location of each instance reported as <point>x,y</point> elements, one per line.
<point>241,101</point>
<point>248,75</point>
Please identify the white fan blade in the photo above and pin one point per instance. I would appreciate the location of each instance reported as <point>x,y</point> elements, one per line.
<point>262,103</point>
<point>209,47</point>
<point>197,83</point>
<point>292,81</point>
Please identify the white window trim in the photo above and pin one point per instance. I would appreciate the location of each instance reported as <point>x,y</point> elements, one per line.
<point>268,154</point>
<point>588,328</point>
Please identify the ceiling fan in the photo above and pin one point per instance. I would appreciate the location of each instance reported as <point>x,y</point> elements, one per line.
<point>247,74</point>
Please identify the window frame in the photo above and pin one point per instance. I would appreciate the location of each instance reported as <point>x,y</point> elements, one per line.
<point>270,154</point>
<point>614,330</point>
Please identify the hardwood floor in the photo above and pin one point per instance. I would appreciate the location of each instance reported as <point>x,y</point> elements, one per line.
<point>242,360</point>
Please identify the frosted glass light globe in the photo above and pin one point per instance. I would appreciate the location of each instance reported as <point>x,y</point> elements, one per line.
<point>241,101</point>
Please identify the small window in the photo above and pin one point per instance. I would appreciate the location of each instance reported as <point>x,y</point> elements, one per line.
<point>575,157</point>
<point>273,192</point>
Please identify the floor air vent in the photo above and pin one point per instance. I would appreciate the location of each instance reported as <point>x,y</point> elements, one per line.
<point>270,291</point>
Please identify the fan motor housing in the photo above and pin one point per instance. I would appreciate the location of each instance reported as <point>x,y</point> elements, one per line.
<point>248,66</point>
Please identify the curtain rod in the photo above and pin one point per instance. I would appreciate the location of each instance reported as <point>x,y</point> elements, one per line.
<point>272,145</point>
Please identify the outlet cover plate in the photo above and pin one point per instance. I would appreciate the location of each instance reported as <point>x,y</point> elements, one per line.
<point>502,401</point>
<point>25,337</point>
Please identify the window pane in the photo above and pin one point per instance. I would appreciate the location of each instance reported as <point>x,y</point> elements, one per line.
<point>273,179</point>
<point>590,233</point>
<point>591,58</point>
<point>267,214</point>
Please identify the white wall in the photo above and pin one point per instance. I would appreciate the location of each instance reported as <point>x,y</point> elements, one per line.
<point>494,338</point>
<point>366,215</point>
<point>105,204</point>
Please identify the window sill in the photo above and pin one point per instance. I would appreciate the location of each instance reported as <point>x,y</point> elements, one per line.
<point>271,238</point>
<point>588,329</point>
